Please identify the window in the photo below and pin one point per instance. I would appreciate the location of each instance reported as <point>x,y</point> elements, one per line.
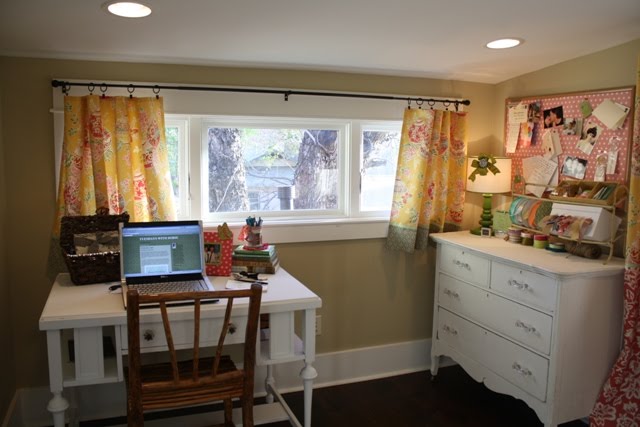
<point>282,169</point>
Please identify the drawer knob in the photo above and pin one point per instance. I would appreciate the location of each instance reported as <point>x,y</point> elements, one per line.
<point>449,330</point>
<point>452,294</point>
<point>521,370</point>
<point>518,285</point>
<point>462,264</point>
<point>148,335</point>
<point>527,328</point>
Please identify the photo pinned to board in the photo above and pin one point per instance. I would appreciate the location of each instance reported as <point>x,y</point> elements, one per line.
<point>574,167</point>
<point>591,131</point>
<point>572,126</point>
<point>553,117</point>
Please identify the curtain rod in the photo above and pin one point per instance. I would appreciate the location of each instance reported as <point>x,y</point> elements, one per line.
<point>66,85</point>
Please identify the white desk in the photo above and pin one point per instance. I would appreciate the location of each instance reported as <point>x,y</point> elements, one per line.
<point>85,314</point>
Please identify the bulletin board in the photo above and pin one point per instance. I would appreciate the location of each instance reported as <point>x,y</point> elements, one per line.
<point>576,131</point>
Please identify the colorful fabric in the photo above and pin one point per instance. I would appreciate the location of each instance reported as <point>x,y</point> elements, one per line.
<point>114,156</point>
<point>619,401</point>
<point>430,179</point>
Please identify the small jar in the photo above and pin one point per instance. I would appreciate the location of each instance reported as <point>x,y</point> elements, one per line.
<point>527,239</point>
<point>540,241</point>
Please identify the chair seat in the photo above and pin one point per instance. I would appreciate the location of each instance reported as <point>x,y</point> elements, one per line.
<point>161,391</point>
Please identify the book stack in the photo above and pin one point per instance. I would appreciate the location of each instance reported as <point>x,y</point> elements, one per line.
<point>261,260</point>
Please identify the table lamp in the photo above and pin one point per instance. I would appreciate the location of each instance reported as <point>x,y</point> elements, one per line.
<point>488,175</point>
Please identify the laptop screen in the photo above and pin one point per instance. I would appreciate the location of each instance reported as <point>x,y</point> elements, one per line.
<point>161,250</point>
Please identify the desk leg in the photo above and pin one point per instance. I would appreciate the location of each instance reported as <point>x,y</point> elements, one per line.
<point>308,373</point>
<point>269,384</point>
<point>58,404</point>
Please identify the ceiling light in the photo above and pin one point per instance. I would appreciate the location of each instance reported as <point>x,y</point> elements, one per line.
<point>127,9</point>
<point>504,43</point>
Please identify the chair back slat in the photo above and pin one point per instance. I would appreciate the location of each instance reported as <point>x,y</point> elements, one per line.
<point>223,335</point>
<point>169,337</point>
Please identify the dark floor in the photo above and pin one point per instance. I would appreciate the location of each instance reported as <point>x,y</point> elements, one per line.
<point>453,400</point>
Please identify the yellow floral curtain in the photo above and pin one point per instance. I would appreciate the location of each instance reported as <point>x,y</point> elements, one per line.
<point>114,156</point>
<point>619,402</point>
<point>430,179</point>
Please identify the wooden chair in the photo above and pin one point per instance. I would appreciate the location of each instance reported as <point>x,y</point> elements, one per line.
<point>197,381</point>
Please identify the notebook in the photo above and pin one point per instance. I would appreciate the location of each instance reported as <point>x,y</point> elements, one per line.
<point>162,254</point>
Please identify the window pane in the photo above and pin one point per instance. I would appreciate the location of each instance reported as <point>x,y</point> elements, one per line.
<point>272,170</point>
<point>379,161</point>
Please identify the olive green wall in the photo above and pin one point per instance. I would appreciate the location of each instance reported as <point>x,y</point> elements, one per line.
<point>7,383</point>
<point>370,296</point>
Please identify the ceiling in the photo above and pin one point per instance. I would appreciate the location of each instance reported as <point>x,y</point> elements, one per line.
<point>422,38</point>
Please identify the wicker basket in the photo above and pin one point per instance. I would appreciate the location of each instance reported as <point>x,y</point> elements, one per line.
<point>92,267</point>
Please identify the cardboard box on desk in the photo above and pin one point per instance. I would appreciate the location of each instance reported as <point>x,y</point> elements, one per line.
<point>600,230</point>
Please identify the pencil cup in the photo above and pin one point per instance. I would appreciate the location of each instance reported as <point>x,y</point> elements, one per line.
<point>254,237</point>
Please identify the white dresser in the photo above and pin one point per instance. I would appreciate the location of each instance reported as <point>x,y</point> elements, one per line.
<point>540,326</point>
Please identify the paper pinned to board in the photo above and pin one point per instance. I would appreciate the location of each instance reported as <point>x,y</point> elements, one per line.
<point>513,132</point>
<point>611,114</point>
<point>538,170</point>
<point>519,113</point>
<point>551,144</point>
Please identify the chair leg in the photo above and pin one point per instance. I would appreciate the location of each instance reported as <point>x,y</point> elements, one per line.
<point>228,412</point>
<point>247,412</point>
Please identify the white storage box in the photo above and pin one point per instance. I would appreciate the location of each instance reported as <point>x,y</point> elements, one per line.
<point>604,225</point>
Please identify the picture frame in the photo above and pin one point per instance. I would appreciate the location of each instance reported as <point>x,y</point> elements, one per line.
<point>218,248</point>
<point>485,232</point>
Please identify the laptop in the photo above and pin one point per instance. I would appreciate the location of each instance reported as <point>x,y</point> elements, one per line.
<point>158,257</point>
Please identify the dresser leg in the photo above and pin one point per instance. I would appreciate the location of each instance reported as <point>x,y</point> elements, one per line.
<point>435,364</point>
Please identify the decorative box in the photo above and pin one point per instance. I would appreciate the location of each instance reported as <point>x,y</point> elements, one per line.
<point>87,248</point>
<point>218,246</point>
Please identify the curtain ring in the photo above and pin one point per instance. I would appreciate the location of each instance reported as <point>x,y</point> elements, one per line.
<point>446,104</point>
<point>457,104</point>
<point>420,102</point>
<point>431,103</point>
<point>408,103</point>
<point>91,87</point>
<point>66,87</point>
<point>156,90</point>
<point>103,89</point>
<point>131,89</point>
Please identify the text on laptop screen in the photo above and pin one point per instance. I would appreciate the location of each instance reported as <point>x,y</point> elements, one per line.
<point>162,250</point>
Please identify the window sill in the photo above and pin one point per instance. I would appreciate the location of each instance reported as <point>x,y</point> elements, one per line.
<point>316,231</point>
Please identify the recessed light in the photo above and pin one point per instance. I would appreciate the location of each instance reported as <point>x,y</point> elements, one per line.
<point>504,43</point>
<point>127,9</point>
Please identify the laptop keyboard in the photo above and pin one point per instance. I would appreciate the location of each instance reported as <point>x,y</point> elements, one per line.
<point>170,287</point>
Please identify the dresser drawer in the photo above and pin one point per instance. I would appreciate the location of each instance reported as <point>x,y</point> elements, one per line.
<point>515,364</point>
<point>152,337</point>
<point>526,286</point>
<point>525,325</point>
<point>464,265</point>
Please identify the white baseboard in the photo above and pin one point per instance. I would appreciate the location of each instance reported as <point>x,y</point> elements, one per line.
<point>109,400</point>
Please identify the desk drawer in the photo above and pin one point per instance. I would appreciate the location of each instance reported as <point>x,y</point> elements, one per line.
<point>515,364</point>
<point>525,325</point>
<point>526,286</point>
<point>152,337</point>
<point>464,265</point>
